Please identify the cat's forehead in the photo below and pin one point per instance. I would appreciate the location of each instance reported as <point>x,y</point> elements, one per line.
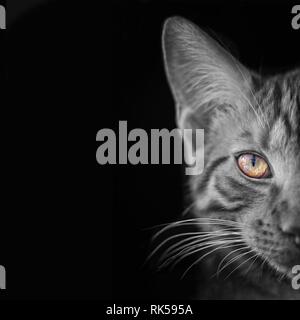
<point>280,95</point>
<point>279,99</point>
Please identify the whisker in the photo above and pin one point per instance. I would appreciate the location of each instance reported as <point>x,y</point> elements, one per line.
<point>192,235</point>
<point>173,249</point>
<point>205,255</point>
<point>197,221</point>
<point>257,256</point>
<point>189,251</point>
<point>241,264</point>
<point>235,258</point>
<point>262,265</point>
<point>223,260</point>
<point>188,208</point>
<point>228,236</point>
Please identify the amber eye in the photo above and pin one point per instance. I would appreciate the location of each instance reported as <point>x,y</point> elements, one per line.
<point>253,166</point>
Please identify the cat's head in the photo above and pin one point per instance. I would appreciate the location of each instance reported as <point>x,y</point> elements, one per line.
<point>252,143</point>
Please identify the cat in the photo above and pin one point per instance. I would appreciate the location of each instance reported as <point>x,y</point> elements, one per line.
<point>245,205</point>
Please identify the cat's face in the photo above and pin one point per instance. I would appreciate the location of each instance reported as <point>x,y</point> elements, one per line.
<point>252,145</point>
<point>267,207</point>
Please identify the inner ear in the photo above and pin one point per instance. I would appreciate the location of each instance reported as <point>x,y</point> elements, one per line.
<point>190,119</point>
<point>201,73</point>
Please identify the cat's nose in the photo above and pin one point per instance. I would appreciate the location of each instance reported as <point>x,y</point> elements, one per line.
<point>291,226</point>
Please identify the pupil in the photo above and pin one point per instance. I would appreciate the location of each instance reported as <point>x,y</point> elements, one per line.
<point>253,160</point>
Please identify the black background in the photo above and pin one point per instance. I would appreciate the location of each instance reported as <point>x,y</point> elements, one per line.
<point>73,228</point>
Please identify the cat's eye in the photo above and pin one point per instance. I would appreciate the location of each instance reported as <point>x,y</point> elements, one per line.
<point>253,165</point>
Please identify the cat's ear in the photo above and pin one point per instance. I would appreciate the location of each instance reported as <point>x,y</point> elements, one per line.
<point>201,73</point>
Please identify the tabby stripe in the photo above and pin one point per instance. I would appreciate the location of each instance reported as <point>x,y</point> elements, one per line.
<point>208,172</point>
<point>216,206</point>
<point>265,139</point>
<point>286,121</point>
<point>227,195</point>
<point>277,97</point>
<point>243,189</point>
